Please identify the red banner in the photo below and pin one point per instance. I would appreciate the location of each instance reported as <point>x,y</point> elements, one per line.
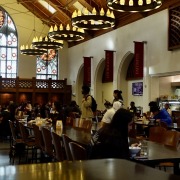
<point>108,73</point>
<point>87,70</point>
<point>138,59</point>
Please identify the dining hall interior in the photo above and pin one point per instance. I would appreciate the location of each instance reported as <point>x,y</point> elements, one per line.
<point>49,49</point>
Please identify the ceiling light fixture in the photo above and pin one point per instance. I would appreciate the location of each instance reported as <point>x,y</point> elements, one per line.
<point>31,51</point>
<point>93,21</point>
<point>67,34</point>
<point>134,5</point>
<point>47,43</point>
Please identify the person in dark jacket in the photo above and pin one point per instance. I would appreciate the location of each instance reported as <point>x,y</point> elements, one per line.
<point>111,141</point>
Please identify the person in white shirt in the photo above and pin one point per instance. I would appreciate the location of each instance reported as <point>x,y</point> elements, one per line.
<point>110,113</point>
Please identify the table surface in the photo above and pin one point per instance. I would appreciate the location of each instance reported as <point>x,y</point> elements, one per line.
<point>146,123</point>
<point>75,133</point>
<point>105,169</point>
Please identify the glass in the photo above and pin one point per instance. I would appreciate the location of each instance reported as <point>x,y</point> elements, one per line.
<point>144,148</point>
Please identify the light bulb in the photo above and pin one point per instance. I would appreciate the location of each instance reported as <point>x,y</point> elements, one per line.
<point>79,13</point>
<point>112,15</point>
<point>140,2</point>
<point>55,28</point>
<point>40,39</point>
<point>85,11</point>
<point>67,27</point>
<point>148,1</point>
<point>94,11</point>
<point>46,38</point>
<point>92,22</point>
<point>61,27</point>
<point>102,12</point>
<point>131,3</point>
<point>51,29</point>
<point>108,14</point>
<point>122,2</point>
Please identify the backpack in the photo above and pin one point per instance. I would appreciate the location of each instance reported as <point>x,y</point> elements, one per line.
<point>94,104</point>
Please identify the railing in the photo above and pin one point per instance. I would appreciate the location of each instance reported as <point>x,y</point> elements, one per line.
<point>20,83</point>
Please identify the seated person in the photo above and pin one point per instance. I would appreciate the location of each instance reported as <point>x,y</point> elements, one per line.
<point>160,115</point>
<point>111,141</point>
<point>133,108</point>
<point>168,109</point>
<point>110,113</point>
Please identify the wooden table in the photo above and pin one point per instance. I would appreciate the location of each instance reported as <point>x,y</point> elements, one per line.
<point>75,133</point>
<point>105,169</point>
<point>158,153</point>
<point>142,123</point>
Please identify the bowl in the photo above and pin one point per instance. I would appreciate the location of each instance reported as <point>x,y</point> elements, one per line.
<point>134,150</point>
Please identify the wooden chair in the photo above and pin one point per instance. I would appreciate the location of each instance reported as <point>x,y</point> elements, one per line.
<point>77,151</point>
<point>170,138</point>
<point>48,146</point>
<point>15,143</point>
<point>156,134</point>
<point>57,142</point>
<point>28,140</point>
<point>38,139</point>
<point>66,141</point>
<point>178,121</point>
<point>163,124</point>
<point>87,125</point>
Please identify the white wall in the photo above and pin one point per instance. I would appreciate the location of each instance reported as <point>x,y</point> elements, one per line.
<point>153,29</point>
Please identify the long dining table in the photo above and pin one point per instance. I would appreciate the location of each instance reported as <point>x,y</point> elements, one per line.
<point>101,169</point>
<point>173,126</point>
<point>158,153</point>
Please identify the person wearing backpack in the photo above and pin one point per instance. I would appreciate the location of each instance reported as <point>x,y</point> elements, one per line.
<point>87,113</point>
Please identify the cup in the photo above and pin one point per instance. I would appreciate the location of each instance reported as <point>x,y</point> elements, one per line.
<point>144,148</point>
<point>175,125</point>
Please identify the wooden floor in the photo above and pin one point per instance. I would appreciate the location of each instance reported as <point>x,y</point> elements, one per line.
<point>4,152</point>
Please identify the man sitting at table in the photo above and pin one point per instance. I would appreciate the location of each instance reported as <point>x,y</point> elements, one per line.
<point>110,113</point>
<point>160,115</point>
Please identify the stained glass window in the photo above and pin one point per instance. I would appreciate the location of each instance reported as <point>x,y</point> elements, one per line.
<point>47,65</point>
<point>8,46</point>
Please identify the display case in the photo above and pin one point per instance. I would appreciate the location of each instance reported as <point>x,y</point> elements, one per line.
<point>174,104</point>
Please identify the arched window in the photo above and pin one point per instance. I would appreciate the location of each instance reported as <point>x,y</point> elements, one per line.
<point>8,46</point>
<point>47,65</point>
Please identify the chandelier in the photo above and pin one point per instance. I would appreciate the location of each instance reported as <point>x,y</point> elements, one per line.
<point>31,51</point>
<point>94,20</point>
<point>134,5</point>
<point>67,34</point>
<point>46,43</point>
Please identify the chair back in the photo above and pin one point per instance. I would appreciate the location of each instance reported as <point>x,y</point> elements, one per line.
<point>77,151</point>
<point>178,121</point>
<point>87,125</point>
<point>47,138</point>
<point>171,138</point>
<point>23,132</point>
<point>163,124</point>
<point>13,132</point>
<point>156,134</point>
<point>57,142</point>
<point>66,141</point>
<point>38,137</point>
